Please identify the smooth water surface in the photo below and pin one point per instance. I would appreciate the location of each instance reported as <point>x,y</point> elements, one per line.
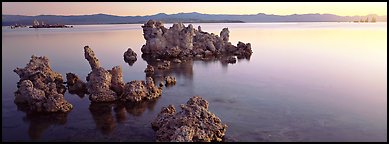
<point>303,82</point>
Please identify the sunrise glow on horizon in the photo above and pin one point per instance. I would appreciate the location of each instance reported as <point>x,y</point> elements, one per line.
<point>151,8</point>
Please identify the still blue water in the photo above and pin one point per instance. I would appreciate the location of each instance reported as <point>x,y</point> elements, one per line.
<point>303,82</point>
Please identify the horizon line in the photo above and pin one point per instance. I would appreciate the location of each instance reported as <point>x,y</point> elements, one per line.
<point>187,13</point>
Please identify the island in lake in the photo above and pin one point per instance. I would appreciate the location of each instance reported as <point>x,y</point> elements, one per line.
<point>36,24</point>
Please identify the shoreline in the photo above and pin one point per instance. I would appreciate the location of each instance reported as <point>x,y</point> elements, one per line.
<point>275,22</point>
<point>288,22</point>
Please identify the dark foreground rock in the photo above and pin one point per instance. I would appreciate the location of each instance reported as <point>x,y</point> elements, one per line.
<point>194,123</point>
<point>170,80</point>
<point>40,89</point>
<point>180,42</point>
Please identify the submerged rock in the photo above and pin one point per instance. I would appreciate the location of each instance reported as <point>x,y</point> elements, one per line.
<point>230,59</point>
<point>160,84</point>
<point>164,65</point>
<point>194,123</point>
<point>137,91</point>
<point>40,89</point>
<point>170,80</point>
<point>130,56</point>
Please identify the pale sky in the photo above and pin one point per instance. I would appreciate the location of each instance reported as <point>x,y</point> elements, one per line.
<point>150,8</point>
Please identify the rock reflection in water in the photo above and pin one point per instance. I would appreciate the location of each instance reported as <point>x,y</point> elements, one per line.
<point>40,122</point>
<point>137,109</point>
<point>102,115</point>
<point>182,69</point>
<point>80,93</point>
<point>107,115</point>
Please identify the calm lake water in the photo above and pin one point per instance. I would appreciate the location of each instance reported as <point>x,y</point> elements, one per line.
<point>304,82</point>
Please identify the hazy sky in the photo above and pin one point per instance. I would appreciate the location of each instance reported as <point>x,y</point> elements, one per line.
<point>150,8</point>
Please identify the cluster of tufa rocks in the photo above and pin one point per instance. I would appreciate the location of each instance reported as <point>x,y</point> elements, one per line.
<point>40,89</point>
<point>108,85</point>
<point>194,123</point>
<point>180,42</point>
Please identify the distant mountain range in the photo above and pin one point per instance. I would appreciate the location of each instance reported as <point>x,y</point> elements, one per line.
<point>193,17</point>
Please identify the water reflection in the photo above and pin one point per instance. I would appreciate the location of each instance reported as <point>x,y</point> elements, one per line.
<point>183,68</point>
<point>137,109</point>
<point>102,115</point>
<point>301,68</point>
<point>80,93</point>
<point>40,122</point>
<point>107,115</point>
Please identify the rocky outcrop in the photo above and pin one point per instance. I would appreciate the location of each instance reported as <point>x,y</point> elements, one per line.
<point>149,70</point>
<point>243,50</point>
<point>99,80</point>
<point>40,89</point>
<point>99,84</point>
<point>170,80</point>
<point>159,39</point>
<point>107,86</point>
<point>194,123</point>
<point>74,84</point>
<point>186,42</point>
<point>130,56</point>
<point>164,65</point>
<point>136,91</point>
